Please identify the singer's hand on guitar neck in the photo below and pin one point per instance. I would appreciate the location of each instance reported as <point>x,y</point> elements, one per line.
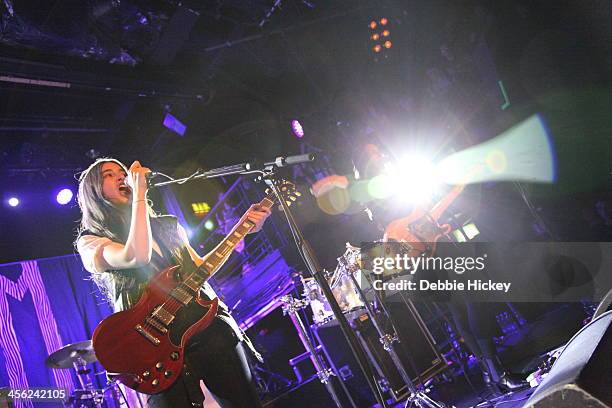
<point>257,214</point>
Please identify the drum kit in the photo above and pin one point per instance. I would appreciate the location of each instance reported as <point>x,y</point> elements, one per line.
<point>79,356</point>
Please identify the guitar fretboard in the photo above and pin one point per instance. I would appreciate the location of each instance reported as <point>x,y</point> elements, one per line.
<point>221,252</point>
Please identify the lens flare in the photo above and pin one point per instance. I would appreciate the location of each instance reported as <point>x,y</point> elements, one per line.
<point>522,153</point>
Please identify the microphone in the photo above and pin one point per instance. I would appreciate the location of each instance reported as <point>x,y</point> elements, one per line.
<point>292,160</point>
<point>150,176</point>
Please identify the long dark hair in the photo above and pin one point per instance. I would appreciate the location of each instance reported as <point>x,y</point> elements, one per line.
<point>100,216</point>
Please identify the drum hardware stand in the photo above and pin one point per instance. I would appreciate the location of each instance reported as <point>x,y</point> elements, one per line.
<point>266,172</point>
<point>291,307</point>
<point>417,397</point>
<point>78,356</point>
<point>86,380</point>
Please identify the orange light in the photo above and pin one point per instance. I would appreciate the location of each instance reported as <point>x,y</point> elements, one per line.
<point>383,21</point>
<point>387,44</point>
<point>375,37</point>
<point>385,33</point>
<point>373,24</point>
<point>377,48</point>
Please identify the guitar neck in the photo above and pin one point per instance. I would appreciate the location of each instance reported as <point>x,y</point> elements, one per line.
<point>438,209</point>
<point>215,259</point>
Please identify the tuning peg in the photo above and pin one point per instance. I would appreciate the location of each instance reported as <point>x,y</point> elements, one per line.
<point>292,198</point>
<point>297,193</point>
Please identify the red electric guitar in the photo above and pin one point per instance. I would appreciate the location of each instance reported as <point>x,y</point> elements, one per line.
<point>143,347</point>
<point>420,230</point>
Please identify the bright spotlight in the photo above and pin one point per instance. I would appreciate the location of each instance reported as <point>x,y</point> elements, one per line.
<point>13,201</point>
<point>209,225</point>
<point>413,179</point>
<point>418,178</point>
<point>64,196</point>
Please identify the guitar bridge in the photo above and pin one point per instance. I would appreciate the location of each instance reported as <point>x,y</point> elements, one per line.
<point>147,335</point>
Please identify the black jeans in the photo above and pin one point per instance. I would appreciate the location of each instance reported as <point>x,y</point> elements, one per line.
<point>219,359</point>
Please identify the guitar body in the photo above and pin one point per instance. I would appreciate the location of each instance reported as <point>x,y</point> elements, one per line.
<point>418,230</point>
<point>140,347</point>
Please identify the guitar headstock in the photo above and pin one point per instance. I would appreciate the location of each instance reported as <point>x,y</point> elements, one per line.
<point>288,191</point>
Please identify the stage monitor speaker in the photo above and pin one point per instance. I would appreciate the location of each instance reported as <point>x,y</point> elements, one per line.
<point>416,350</point>
<point>581,376</point>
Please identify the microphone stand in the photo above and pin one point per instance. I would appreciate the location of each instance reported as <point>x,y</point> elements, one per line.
<point>267,174</point>
<point>310,260</point>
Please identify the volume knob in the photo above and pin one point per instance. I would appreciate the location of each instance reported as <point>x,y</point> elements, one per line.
<point>159,365</point>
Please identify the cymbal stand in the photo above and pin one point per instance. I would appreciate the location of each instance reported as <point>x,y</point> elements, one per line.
<point>291,307</point>
<point>85,378</point>
<point>417,397</point>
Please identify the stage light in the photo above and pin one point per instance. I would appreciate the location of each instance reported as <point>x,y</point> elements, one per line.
<point>378,37</point>
<point>297,128</point>
<point>174,124</point>
<point>419,188</point>
<point>209,225</point>
<point>13,201</point>
<point>396,182</point>
<point>522,153</point>
<point>200,209</point>
<point>64,196</point>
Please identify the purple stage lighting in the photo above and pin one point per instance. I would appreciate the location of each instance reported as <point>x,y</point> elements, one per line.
<point>13,201</point>
<point>64,196</point>
<point>297,129</point>
<point>174,124</point>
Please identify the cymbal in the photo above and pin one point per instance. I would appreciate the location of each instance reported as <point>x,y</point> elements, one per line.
<point>69,354</point>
